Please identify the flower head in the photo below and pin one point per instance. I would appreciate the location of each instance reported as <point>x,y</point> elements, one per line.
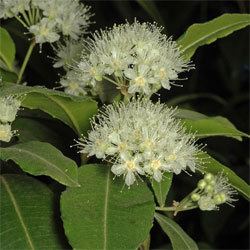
<point>141,138</point>
<point>137,57</point>
<point>8,109</point>
<point>213,191</point>
<point>47,20</point>
<point>5,132</point>
<point>72,85</point>
<point>68,53</point>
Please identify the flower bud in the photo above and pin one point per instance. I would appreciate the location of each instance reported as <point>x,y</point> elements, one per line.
<point>209,188</point>
<point>195,197</point>
<point>220,198</point>
<point>208,177</point>
<point>201,184</point>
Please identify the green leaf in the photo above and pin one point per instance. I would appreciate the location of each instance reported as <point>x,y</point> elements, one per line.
<point>103,214</point>
<point>30,129</point>
<point>40,158</point>
<point>210,165</point>
<point>161,188</point>
<point>7,76</point>
<point>150,7</point>
<point>27,208</point>
<point>205,126</point>
<point>214,126</point>
<point>205,33</point>
<point>179,239</point>
<point>72,110</point>
<point>7,48</point>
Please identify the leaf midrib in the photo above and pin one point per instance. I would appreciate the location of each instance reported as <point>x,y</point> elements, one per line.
<point>18,212</point>
<point>173,228</point>
<point>105,218</point>
<point>68,113</point>
<point>210,34</point>
<point>43,160</point>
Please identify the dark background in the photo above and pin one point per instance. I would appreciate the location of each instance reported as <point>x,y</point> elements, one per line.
<point>218,86</point>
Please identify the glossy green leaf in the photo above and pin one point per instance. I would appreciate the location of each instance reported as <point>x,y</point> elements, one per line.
<point>7,48</point>
<point>30,129</point>
<point>179,239</point>
<point>205,126</point>
<point>214,126</point>
<point>210,165</point>
<point>205,33</point>
<point>161,188</point>
<point>28,219</point>
<point>40,158</point>
<point>150,7</point>
<point>72,110</point>
<point>7,76</point>
<point>103,214</point>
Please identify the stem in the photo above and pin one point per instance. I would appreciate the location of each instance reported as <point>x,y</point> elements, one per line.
<point>173,209</point>
<point>110,80</point>
<point>26,59</point>
<point>22,22</point>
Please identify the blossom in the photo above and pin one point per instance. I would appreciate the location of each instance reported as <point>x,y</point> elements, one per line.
<point>48,20</point>
<point>45,31</point>
<point>5,132</point>
<point>141,138</point>
<point>72,85</point>
<point>213,190</point>
<point>136,57</point>
<point>8,109</point>
<point>68,53</point>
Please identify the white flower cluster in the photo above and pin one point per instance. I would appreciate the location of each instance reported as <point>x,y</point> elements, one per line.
<point>48,19</point>
<point>136,57</point>
<point>8,110</point>
<point>68,53</point>
<point>141,138</point>
<point>213,191</point>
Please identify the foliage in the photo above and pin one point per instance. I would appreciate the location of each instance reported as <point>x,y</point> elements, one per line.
<point>46,197</point>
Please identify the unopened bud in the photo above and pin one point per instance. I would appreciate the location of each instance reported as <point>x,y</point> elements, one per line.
<point>220,198</point>
<point>209,189</point>
<point>202,184</point>
<point>208,177</point>
<point>195,197</point>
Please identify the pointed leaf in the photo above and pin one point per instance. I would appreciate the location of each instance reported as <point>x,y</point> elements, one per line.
<point>27,214</point>
<point>103,214</point>
<point>179,239</point>
<point>205,33</point>
<point>161,188</point>
<point>210,165</point>
<point>40,158</point>
<point>205,126</point>
<point>214,126</point>
<point>72,110</point>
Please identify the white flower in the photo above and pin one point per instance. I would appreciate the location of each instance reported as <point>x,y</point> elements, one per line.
<point>141,138</point>
<point>8,109</point>
<point>5,132</point>
<point>72,85</point>
<point>45,31</point>
<point>214,191</point>
<point>49,19</point>
<point>206,203</point>
<point>10,8</point>
<point>68,53</point>
<point>129,167</point>
<point>137,57</point>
